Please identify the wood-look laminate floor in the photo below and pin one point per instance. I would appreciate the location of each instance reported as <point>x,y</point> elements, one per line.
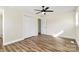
<point>43,43</point>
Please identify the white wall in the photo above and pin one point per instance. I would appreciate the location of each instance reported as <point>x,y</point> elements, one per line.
<point>77,24</point>
<point>1,25</point>
<point>12,25</point>
<point>18,25</point>
<point>61,22</point>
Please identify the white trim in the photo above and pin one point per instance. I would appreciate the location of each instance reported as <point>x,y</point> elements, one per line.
<point>6,43</point>
<point>76,19</point>
<point>77,40</point>
<point>3,28</point>
<point>77,43</point>
<point>13,41</point>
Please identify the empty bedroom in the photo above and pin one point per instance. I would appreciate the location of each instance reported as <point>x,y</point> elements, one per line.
<point>39,29</point>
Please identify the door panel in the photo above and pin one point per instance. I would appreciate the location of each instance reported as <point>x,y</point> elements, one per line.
<point>29,26</point>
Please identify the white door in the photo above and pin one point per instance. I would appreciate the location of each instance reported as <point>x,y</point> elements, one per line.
<point>29,26</point>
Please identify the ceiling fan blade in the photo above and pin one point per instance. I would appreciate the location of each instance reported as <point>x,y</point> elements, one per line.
<point>38,12</point>
<point>46,8</point>
<point>49,11</point>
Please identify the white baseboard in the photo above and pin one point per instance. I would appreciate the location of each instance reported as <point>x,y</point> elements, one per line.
<point>16,40</point>
<point>13,41</point>
<point>77,42</point>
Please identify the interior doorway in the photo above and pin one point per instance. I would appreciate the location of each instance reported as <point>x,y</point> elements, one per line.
<point>39,26</point>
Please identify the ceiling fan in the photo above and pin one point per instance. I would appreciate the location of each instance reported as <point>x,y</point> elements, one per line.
<point>44,10</point>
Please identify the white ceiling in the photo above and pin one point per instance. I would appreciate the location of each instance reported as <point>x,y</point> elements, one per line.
<point>30,9</point>
<point>55,8</point>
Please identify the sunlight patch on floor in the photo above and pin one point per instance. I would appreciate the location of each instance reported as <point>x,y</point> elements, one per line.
<point>59,33</point>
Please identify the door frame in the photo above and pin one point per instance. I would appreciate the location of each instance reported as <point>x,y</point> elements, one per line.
<point>39,26</point>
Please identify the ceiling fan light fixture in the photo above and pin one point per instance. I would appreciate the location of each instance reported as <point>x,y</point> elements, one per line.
<point>43,13</point>
<point>44,10</point>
